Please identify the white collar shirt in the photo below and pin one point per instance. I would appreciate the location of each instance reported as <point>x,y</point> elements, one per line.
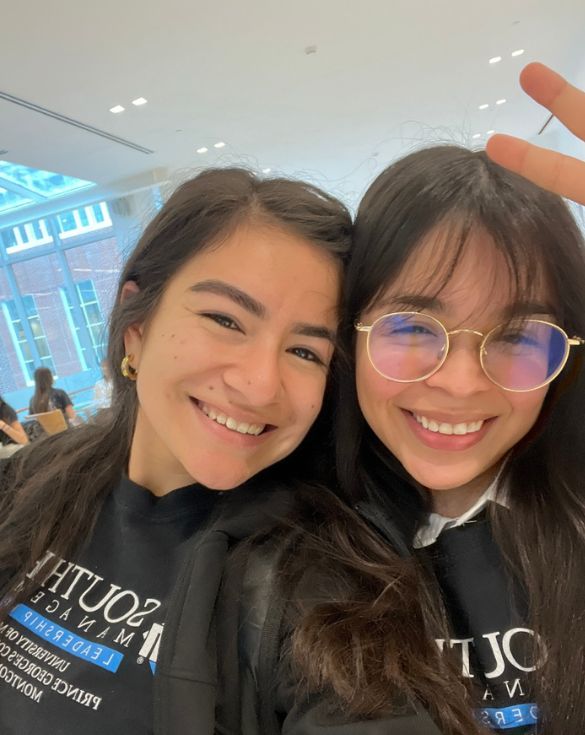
<point>435,523</point>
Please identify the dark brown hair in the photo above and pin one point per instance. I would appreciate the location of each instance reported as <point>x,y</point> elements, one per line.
<point>380,629</point>
<point>42,395</point>
<point>69,475</point>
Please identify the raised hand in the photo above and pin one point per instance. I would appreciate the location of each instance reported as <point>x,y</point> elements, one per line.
<point>551,170</point>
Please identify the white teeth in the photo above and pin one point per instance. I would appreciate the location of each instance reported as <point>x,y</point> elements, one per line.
<point>240,426</point>
<point>444,428</point>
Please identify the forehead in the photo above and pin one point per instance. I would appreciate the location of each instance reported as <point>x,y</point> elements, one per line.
<point>274,265</point>
<point>469,277</point>
<point>256,249</point>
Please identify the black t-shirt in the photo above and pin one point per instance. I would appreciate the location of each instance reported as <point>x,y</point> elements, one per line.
<point>80,655</point>
<point>490,636</point>
<point>57,399</point>
<point>8,415</point>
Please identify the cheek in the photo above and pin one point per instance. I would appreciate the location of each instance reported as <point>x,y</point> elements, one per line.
<point>308,400</point>
<point>526,407</point>
<point>374,392</point>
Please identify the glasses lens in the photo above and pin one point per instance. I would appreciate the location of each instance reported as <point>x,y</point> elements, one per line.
<point>524,355</point>
<point>407,346</point>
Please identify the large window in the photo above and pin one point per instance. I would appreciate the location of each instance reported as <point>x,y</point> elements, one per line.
<point>58,282</point>
<point>84,220</point>
<point>18,334</point>
<point>26,236</point>
<point>21,185</point>
<point>93,317</point>
<point>80,221</point>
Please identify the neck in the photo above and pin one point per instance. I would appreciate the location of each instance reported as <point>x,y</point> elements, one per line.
<point>151,463</point>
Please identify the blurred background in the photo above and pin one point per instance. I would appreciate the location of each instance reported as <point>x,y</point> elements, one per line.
<point>105,107</point>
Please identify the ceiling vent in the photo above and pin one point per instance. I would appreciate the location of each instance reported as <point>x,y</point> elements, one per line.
<point>75,123</point>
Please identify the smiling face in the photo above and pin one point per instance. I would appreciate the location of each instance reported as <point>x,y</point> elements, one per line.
<point>232,366</point>
<point>451,430</point>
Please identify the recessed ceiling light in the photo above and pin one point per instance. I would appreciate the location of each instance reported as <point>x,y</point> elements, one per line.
<point>495,59</point>
<point>203,149</point>
<point>139,101</point>
<point>490,132</point>
<point>501,102</point>
<point>483,107</point>
<point>518,52</point>
<point>476,135</point>
<point>219,144</point>
<point>266,170</point>
<point>116,109</point>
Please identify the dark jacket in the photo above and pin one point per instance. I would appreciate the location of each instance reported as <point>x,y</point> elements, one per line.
<point>224,634</point>
<point>262,698</point>
<point>268,698</point>
<point>186,683</point>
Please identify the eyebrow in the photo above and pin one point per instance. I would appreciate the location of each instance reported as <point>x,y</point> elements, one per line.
<point>239,297</point>
<point>432,303</point>
<point>257,309</point>
<point>312,330</point>
<point>412,301</point>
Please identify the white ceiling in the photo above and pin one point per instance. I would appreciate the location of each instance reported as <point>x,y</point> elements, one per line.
<point>385,77</point>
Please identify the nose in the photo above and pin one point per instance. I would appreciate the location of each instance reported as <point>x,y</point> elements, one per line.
<point>461,374</point>
<point>255,379</point>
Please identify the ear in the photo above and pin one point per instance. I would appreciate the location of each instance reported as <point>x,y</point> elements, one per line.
<point>132,335</point>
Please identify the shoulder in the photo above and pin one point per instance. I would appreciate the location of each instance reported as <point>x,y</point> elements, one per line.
<point>60,396</point>
<point>254,507</point>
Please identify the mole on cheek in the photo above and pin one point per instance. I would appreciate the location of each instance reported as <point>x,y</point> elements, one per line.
<point>211,387</point>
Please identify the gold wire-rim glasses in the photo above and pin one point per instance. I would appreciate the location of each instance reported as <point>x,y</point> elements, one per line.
<point>569,342</point>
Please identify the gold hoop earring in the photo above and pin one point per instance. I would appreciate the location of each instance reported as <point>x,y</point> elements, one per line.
<point>127,370</point>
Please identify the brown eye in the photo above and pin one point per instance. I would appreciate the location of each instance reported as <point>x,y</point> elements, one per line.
<point>306,354</point>
<point>223,321</point>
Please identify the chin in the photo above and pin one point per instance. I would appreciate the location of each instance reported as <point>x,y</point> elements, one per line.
<point>221,479</point>
<point>441,478</point>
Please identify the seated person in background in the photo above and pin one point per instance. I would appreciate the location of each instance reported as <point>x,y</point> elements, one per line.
<point>46,398</point>
<point>12,435</point>
<point>102,390</point>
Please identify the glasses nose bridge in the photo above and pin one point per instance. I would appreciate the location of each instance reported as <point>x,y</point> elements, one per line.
<point>465,331</point>
<point>475,332</point>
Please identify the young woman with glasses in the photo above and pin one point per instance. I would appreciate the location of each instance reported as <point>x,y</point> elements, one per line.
<point>450,601</point>
<point>465,314</point>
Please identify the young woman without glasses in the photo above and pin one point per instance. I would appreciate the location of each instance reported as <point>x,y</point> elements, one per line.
<point>46,398</point>
<point>113,536</point>
<point>452,600</point>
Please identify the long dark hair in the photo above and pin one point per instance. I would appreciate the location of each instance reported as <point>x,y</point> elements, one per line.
<point>460,192</point>
<point>42,395</point>
<point>54,492</point>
